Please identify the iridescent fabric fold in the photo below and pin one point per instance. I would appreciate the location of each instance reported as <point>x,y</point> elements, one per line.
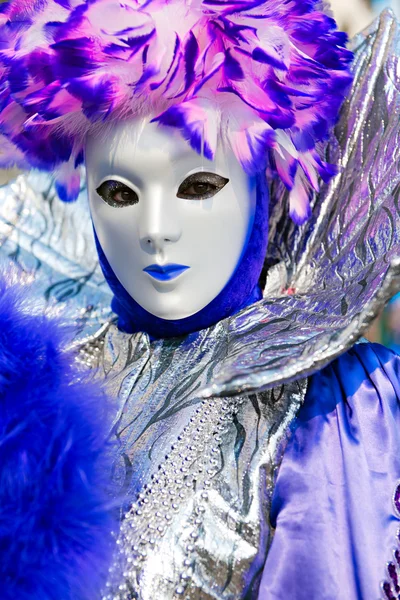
<point>332,505</point>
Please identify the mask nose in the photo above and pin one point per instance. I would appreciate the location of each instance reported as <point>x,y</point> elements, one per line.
<point>159,222</point>
<point>156,241</point>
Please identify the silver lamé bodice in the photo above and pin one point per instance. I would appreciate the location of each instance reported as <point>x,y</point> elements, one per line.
<point>196,474</point>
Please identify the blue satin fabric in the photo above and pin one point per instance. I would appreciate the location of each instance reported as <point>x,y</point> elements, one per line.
<point>332,505</point>
<point>240,291</point>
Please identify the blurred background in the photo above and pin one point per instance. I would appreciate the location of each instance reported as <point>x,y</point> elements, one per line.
<point>352,16</point>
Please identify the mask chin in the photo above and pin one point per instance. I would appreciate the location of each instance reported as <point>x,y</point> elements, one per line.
<point>241,290</point>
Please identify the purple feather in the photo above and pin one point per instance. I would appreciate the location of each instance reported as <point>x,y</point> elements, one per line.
<point>232,68</point>
<point>63,3</point>
<point>195,123</point>
<point>156,85</point>
<point>95,94</point>
<point>191,54</point>
<point>286,62</point>
<point>74,58</point>
<point>263,56</point>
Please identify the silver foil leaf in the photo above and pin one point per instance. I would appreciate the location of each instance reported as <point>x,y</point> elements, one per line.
<point>53,243</point>
<point>336,272</point>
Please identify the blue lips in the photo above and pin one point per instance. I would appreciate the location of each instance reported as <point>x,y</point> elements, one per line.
<point>165,272</point>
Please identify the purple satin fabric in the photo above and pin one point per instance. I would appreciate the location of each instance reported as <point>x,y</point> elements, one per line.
<point>332,505</point>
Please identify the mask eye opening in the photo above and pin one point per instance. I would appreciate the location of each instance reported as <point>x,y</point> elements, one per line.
<point>117,194</point>
<point>201,185</point>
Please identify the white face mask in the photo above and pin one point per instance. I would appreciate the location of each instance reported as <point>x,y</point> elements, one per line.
<point>172,224</point>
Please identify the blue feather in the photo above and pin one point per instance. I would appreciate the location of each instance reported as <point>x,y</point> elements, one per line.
<point>55,516</point>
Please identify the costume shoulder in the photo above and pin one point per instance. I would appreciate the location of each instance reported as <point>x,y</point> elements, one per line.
<point>331,277</point>
<point>333,510</point>
<point>55,519</point>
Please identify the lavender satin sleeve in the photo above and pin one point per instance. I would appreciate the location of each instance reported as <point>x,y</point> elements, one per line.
<point>333,512</point>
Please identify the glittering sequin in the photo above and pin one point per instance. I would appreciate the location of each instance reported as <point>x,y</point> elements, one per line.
<point>391,587</point>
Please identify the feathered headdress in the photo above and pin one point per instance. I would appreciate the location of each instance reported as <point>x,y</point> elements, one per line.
<point>268,76</point>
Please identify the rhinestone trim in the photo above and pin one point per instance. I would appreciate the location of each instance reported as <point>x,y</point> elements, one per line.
<point>191,464</point>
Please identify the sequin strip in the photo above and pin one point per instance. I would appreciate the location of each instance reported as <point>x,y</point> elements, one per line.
<point>391,587</point>
<point>191,464</point>
<point>89,349</point>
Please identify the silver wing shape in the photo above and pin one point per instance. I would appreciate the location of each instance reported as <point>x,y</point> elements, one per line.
<point>52,243</point>
<point>326,281</point>
<point>330,278</point>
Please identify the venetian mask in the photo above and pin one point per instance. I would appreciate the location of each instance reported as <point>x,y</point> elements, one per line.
<point>172,224</point>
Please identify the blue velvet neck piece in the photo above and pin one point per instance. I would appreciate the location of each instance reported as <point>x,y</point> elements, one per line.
<point>240,291</point>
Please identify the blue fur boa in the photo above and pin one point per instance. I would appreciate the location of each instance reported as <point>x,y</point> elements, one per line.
<point>55,517</point>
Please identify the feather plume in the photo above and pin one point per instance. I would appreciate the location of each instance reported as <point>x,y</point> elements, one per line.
<point>55,519</point>
<point>103,60</point>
